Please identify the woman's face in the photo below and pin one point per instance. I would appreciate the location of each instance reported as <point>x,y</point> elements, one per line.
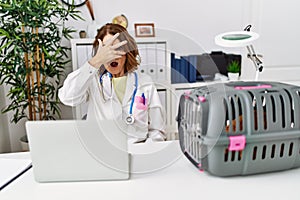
<point>116,67</point>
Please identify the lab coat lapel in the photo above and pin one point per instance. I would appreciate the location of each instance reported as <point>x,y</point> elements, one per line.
<point>107,86</point>
<point>130,86</point>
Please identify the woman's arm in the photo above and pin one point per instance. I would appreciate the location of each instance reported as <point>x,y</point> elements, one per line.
<point>75,88</point>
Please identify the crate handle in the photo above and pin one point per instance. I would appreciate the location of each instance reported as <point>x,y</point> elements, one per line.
<point>252,87</point>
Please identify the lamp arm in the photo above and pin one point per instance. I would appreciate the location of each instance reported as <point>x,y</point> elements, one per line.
<point>256,61</point>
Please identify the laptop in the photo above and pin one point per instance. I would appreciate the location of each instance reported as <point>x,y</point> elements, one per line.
<point>70,150</point>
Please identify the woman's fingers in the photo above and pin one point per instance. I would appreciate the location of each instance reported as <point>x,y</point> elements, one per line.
<point>110,42</point>
<point>119,44</point>
<point>120,53</point>
<point>100,42</point>
<point>112,39</point>
<point>100,45</point>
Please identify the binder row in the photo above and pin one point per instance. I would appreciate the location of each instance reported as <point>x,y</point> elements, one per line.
<point>153,60</point>
<point>183,69</point>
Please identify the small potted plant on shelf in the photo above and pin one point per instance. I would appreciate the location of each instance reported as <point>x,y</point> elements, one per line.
<point>32,57</point>
<point>234,70</point>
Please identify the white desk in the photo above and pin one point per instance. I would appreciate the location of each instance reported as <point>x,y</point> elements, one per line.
<point>181,180</point>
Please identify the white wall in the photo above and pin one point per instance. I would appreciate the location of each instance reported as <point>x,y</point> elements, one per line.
<point>279,30</point>
<point>198,20</point>
<point>277,23</point>
<point>190,26</point>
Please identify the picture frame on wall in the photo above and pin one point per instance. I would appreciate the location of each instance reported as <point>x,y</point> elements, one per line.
<point>144,30</point>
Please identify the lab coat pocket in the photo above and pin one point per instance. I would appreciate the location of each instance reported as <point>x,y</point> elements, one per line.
<point>141,103</point>
<point>141,111</point>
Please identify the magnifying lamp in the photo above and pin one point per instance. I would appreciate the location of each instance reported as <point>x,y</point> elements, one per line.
<point>242,39</point>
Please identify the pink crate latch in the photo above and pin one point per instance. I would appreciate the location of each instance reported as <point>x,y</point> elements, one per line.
<point>237,143</point>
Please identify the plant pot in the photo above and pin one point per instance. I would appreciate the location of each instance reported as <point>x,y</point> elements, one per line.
<point>24,143</point>
<point>233,76</point>
<point>82,34</point>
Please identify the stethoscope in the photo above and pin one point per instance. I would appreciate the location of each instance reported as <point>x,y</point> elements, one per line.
<point>129,119</point>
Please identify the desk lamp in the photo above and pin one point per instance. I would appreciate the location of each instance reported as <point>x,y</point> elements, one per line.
<point>242,39</point>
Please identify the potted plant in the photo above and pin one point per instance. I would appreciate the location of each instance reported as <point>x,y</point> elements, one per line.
<point>234,70</point>
<point>32,57</point>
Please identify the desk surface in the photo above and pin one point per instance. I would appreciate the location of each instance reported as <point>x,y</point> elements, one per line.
<point>181,180</point>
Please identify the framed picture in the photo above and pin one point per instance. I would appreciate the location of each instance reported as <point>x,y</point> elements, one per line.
<point>144,30</point>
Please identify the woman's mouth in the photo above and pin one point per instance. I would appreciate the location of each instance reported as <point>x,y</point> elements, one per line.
<point>114,64</point>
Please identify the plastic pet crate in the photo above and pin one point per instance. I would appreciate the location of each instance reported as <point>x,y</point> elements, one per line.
<point>241,128</point>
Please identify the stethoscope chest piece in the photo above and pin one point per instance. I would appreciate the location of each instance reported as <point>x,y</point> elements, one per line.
<point>129,119</point>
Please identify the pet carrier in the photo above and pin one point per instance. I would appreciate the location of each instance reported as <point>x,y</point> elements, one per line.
<point>241,128</point>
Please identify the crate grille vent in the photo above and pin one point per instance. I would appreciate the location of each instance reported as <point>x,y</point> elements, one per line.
<point>298,93</point>
<point>262,153</point>
<point>275,149</point>
<point>271,108</point>
<point>233,114</point>
<point>232,155</point>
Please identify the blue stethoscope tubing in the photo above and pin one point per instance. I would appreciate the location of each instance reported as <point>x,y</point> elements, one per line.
<point>129,119</point>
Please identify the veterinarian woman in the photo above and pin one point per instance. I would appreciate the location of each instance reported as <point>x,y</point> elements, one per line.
<point>112,87</point>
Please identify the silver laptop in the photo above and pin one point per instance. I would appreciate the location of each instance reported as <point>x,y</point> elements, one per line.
<point>68,150</point>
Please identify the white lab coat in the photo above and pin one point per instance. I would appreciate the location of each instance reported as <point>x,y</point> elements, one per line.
<point>83,85</point>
